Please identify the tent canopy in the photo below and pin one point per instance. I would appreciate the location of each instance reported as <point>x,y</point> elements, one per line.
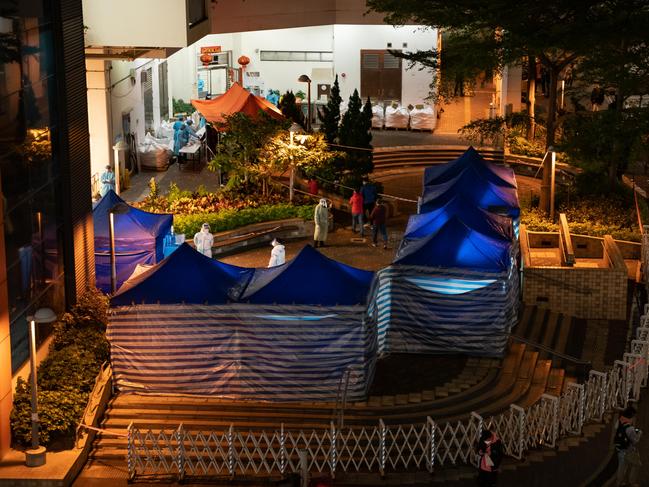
<point>186,276</point>
<point>474,163</point>
<point>489,224</point>
<point>478,192</point>
<point>135,226</point>
<point>139,239</point>
<point>309,278</point>
<point>235,100</point>
<point>456,245</point>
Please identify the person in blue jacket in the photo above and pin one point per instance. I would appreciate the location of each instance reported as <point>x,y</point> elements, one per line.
<point>107,180</point>
<point>179,128</point>
<point>369,194</point>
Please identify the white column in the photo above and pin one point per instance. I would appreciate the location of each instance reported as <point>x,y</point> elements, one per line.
<point>99,114</point>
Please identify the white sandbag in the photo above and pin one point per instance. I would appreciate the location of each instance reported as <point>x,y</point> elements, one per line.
<point>165,131</point>
<point>396,117</point>
<point>378,116</point>
<point>422,117</point>
<point>154,153</point>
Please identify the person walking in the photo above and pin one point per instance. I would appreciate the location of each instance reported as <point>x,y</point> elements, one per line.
<point>490,454</point>
<point>203,240</point>
<point>356,202</point>
<point>278,254</point>
<point>369,194</point>
<point>107,180</point>
<point>321,219</point>
<point>378,218</point>
<point>627,436</point>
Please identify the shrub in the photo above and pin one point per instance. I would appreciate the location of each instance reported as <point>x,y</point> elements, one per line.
<point>59,413</point>
<point>231,219</point>
<point>67,375</point>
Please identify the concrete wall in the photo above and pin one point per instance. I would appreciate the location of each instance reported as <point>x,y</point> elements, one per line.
<point>580,292</point>
<point>152,23</point>
<point>249,15</point>
<point>350,39</point>
<point>346,42</point>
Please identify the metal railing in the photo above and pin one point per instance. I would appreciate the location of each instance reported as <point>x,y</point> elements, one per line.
<point>387,448</point>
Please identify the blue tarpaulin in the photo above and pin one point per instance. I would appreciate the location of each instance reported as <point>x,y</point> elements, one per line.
<point>471,161</point>
<point>489,224</point>
<point>186,276</point>
<point>476,191</point>
<point>139,239</point>
<point>309,278</point>
<point>456,245</point>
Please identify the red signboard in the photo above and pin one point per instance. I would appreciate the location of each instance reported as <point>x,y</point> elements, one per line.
<point>210,49</point>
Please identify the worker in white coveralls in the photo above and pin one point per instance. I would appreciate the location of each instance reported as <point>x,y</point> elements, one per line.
<point>278,254</point>
<point>321,219</point>
<point>203,240</point>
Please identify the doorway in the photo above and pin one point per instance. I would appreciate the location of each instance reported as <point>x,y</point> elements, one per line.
<point>380,75</point>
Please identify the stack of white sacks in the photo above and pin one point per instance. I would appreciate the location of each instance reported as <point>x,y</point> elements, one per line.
<point>422,117</point>
<point>378,116</point>
<point>155,153</point>
<point>396,116</point>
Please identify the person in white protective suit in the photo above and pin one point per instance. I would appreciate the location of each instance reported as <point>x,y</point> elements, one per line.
<point>203,240</point>
<point>278,254</point>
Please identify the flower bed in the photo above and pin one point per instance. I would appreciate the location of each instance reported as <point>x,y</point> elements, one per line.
<point>594,217</point>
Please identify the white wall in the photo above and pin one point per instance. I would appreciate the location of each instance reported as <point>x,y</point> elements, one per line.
<point>99,114</point>
<point>137,23</point>
<point>350,39</point>
<point>346,42</point>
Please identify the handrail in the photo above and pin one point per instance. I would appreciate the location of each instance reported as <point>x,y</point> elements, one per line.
<point>341,397</point>
<point>565,241</point>
<point>94,400</point>
<point>551,351</point>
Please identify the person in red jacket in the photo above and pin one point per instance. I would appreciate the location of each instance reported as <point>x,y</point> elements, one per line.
<point>356,201</point>
<point>377,219</point>
<point>313,186</point>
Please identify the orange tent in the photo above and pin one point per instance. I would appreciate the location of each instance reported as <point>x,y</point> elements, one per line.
<point>235,100</point>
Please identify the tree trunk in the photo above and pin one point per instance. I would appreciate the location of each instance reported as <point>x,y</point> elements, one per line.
<point>531,96</point>
<point>552,105</point>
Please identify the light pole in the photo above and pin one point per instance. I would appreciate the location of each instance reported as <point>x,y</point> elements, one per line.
<point>305,79</point>
<point>292,130</point>
<point>120,209</point>
<point>119,148</point>
<point>35,457</point>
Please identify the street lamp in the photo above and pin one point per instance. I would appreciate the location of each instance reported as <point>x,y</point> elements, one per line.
<point>305,79</point>
<point>120,209</point>
<point>292,130</point>
<point>35,457</point>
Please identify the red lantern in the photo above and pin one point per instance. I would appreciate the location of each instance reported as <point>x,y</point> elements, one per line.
<point>206,59</point>
<point>243,61</point>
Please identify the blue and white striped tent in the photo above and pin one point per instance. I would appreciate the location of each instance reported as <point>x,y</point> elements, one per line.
<point>242,351</point>
<point>443,310</point>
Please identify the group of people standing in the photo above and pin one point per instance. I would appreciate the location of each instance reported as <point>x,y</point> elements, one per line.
<point>366,203</point>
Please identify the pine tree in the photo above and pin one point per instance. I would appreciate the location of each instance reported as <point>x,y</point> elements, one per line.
<point>291,111</point>
<point>355,131</point>
<point>330,114</point>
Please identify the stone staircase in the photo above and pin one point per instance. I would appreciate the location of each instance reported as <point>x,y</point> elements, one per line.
<point>400,157</point>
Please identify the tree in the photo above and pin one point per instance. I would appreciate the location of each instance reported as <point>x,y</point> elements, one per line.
<point>239,151</point>
<point>355,133</point>
<point>557,32</point>
<point>308,153</point>
<point>330,114</point>
<point>291,111</point>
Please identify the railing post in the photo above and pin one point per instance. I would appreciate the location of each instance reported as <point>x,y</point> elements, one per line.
<point>520,428</point>
<point>333,459</point>
<point>430,441</point>
<point>180,453</point>
<point>231,466</point>
<point>130,457</point>
<point>282,449</point>
<point>382,450</point>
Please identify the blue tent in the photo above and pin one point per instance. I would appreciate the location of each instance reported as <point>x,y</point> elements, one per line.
<point>456,245</point>
<point>139,239</point>
<point>476,191</point>
<point>186,276</point>
<point>309,278</point>
<point>489,224</point>
<point>473,162</point>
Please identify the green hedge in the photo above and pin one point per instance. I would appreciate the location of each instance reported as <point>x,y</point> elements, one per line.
<point>66,376</point>
<point>231,219</point>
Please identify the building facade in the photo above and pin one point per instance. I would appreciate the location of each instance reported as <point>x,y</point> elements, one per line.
<point>46,234</point>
